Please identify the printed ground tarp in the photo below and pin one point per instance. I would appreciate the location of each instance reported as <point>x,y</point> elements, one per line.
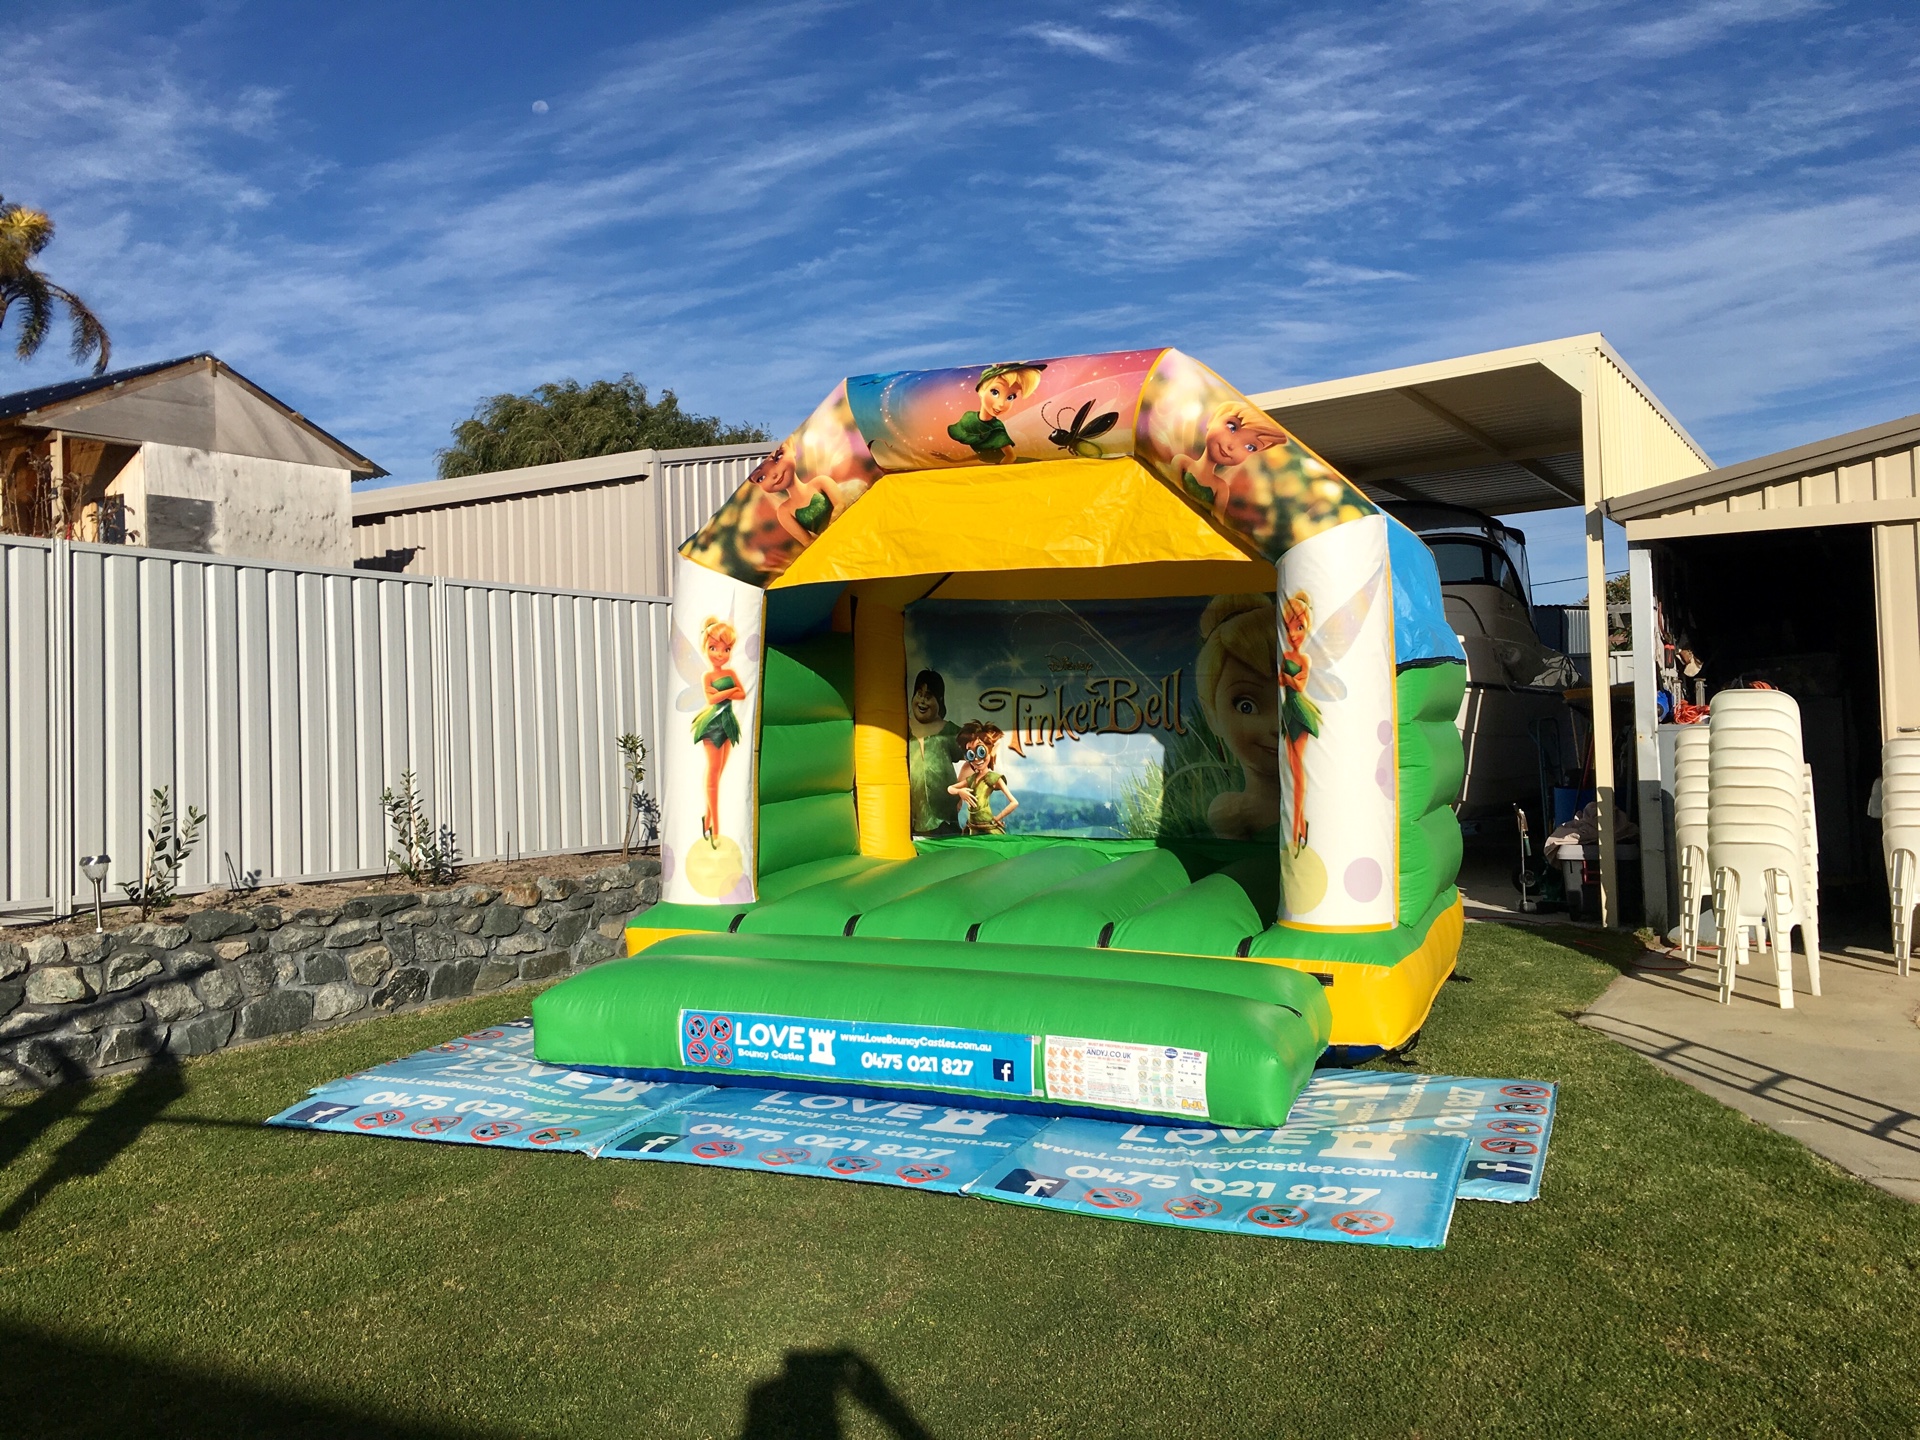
<point>1355,1186</point>
<point>835,1137</point>
<point>1506,1122</point>
<point>1366,1157</point>
<point>484,1089</point>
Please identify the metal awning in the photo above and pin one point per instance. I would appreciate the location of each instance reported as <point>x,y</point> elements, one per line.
<point>1500,431</point>
<point>1537,427</point>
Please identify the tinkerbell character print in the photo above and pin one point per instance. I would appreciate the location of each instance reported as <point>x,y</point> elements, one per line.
<point>716,729</point>
<point>1309,659</point>
<point>999,386</point>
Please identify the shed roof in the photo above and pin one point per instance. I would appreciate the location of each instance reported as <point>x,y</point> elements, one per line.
<point>1730,481</point>
<point>197,401</point>
<point>1499,431</point>
<point>23,402</point>
<point>1864,477</point>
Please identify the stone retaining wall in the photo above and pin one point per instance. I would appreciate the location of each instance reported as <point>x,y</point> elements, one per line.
<point>78,1006</point>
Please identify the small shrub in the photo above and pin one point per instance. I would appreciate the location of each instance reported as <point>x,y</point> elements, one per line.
<point>169,843</point>
<point>642,810</point>
<point>423,852</point>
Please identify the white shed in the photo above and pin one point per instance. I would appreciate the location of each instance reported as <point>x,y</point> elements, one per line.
<point>1801,570</point>
<point>181,455</point>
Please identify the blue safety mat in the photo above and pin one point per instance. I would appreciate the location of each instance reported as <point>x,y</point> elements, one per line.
<point>1506,1122</point>
<point>1355,1186</point>
<point>835,1137</point>
<point>1366,1157</point>
<point>484,1089</point>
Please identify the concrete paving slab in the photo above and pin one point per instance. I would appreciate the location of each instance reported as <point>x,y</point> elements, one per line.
<point>1840,1072</point>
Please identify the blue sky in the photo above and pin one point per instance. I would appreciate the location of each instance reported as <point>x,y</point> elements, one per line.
<point>363,209</point>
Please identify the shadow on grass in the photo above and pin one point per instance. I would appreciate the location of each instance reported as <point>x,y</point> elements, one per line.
<point>54,1388</point>
<point>802,1402</point>
<point>1617,948</point>
<point>1846,1108</point>
<point>104,1135</point>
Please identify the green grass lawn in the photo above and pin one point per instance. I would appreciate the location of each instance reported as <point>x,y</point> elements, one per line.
<point>168,1267</point>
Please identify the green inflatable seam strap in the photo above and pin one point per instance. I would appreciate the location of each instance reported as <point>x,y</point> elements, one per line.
<point>1081,910</point>
<point>949,910</point>
<point>826,908</point>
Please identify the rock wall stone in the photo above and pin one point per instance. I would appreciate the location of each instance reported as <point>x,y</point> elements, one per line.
<point>91,1004</point>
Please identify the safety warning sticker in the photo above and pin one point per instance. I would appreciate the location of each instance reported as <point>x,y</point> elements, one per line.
<point>1160,1079</point>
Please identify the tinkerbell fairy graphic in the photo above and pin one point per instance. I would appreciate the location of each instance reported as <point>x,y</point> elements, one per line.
<point>716,727</point>
<point>1236,430</point>
<point>805,507</point>
<point>982,430</point>
<point>1308,661</point>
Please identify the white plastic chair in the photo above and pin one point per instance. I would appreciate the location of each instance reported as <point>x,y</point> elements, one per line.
<point>1810,853</point>
<point>1690,832</point>
<point>1900,837</point>
<point>1756,834</point>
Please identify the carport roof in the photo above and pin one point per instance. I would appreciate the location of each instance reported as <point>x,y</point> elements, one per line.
<point>1499,431</point>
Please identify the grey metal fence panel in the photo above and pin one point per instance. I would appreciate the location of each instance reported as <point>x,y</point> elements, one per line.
<point>282,700</point>
<point>26,573</point>
<point>689,491</point>
<point>540,686</point>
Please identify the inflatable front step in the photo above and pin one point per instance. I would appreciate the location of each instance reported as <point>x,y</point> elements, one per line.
<point>1111,899</point>
<point>1218,1040</point>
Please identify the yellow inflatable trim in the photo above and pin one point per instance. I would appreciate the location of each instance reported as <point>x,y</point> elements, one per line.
<point>1386,1005</point>
<point>639,937</point>
<point>881,792</point>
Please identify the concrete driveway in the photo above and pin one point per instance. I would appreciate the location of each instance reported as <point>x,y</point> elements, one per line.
<point>1839,1072</point>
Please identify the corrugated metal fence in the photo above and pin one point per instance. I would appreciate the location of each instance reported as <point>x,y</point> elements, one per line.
<point>282,700</point>
<point>616,533</point>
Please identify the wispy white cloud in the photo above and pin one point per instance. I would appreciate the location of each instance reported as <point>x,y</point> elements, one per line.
<point>1332,272</point>
<point>1688,27</point>
<point>1073,38</point>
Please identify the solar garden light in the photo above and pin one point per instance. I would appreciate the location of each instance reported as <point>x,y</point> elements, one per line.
<point>94,867</point>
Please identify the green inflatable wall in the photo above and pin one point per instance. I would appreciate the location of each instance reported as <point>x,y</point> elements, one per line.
<point>1261,1027</point>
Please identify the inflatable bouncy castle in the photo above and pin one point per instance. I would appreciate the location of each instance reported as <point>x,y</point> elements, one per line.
<point>1052,733</point>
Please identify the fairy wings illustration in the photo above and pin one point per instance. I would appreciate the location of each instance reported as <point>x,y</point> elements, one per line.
<point>1309,672</point>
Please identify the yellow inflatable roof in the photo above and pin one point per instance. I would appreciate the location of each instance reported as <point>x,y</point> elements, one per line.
<point>1048,515</point>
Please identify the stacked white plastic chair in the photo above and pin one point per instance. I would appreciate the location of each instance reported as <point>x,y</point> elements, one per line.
<point>1756,834</point>
<point>1810,842</point>
<point>1900,837</point>
<point>1690,752</point>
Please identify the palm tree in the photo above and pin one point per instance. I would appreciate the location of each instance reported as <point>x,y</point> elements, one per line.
<point>24,234</point>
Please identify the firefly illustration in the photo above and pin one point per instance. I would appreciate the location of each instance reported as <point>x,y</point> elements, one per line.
<point>1081,436</point>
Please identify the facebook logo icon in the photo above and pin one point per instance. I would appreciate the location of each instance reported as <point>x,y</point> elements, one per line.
<point>648,1142</point>
<point>319,1113</point>
<point>1003,1070</point>
<point>1034,1187</point>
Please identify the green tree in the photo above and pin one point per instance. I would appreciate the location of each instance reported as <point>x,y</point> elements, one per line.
<point>571,421</point>
<point>24,234</point>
